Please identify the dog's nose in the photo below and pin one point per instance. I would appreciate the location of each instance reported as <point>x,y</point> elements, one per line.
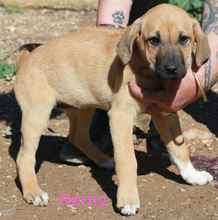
<point>171,68</point>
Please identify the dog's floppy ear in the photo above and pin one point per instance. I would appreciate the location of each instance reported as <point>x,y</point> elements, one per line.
<point>203,50</point>
<point>125,45</point>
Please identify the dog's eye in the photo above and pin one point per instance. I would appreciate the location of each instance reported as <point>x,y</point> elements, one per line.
<point>154,40</point>
<point>183,40</point>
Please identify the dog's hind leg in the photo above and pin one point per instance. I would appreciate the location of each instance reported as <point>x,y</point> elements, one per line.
<point>36,109</point>
<point>170,131</point>
<point>80,121</point>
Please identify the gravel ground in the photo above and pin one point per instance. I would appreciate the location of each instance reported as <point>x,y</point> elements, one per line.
<point>39,26</point>
<point>163,194</point>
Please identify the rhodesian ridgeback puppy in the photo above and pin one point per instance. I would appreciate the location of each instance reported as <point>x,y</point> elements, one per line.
<point>91,68</point>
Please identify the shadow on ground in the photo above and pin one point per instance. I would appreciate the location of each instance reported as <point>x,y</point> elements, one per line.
<point>49,147</point>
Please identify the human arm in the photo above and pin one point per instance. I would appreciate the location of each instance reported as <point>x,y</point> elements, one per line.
<point>114,12</point>
<point>179,93</point>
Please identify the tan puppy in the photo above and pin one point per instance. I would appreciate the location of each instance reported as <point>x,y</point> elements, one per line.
<point>91,68</point>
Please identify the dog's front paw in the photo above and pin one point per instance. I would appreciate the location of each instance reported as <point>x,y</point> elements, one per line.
<point>37,200</point>
<point>109,165</point>
<point>129,209</point>
<point>194,177</point>
<point>128,203</point>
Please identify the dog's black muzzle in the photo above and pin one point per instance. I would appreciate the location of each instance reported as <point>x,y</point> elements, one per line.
<point>171,66</point>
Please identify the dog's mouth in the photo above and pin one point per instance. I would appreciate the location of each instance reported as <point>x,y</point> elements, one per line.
<point>168,76</point>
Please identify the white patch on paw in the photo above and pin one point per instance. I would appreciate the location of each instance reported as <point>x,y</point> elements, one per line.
<point>109,165</point>
<point>194,177</point>
<point>130,209</point>
<point>41,200</point>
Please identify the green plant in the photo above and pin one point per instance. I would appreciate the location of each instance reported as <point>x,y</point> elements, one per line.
<point>193,7</point>
<point>12,9</point>
<point>7,71</point>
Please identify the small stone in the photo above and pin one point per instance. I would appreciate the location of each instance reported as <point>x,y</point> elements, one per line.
<point>73,209</point>
<point>11,28</point>
<point>82,166</point>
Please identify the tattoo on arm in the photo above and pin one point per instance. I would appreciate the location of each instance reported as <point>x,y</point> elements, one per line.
<point>209,82</point>
<point>215,78</point>
<point>209,21</point>
<point>207,67</point>
<point>209,24</point>
<point>118,17</point>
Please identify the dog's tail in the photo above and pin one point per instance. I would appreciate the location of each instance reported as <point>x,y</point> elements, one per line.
<point>24,51</point>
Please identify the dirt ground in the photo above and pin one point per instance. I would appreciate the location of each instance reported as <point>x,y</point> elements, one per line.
<point>163,193</point>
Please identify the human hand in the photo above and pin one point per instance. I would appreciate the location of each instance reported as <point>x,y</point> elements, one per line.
<point>175,95</point>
